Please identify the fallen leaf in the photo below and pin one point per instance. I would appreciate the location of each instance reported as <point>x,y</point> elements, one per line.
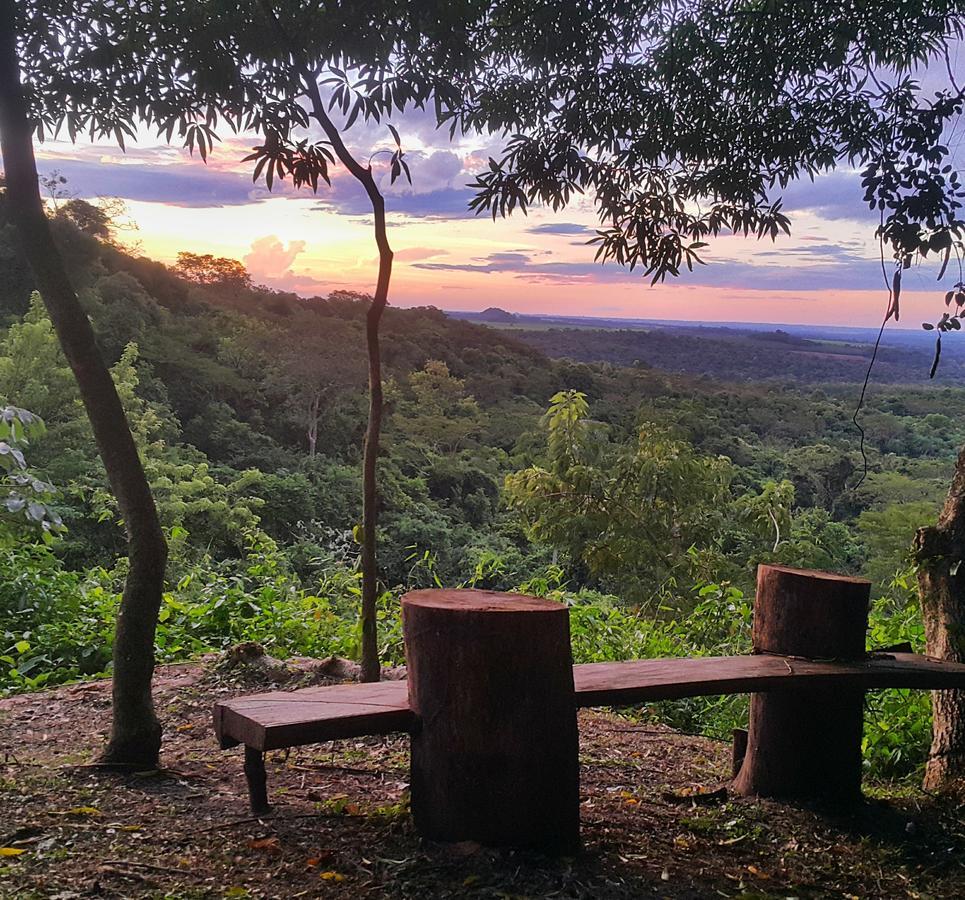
<point>269,844</point>
<point>11,851</point>
<point>332,876</point>
<point>90,811</point>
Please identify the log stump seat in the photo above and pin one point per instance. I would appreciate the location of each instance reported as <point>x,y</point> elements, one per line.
<point>491,697</point>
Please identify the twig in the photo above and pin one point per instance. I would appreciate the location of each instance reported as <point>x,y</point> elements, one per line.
<point>269,818</point>
<point>347,770</point>
<point>669,735</point>
<point>121,873</point>
<point>170,870</point>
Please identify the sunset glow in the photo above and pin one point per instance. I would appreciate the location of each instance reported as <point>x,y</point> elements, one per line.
<point>828,271</point>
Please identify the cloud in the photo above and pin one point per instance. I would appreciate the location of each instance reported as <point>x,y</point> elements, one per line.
<point>559,228</point>
<point>409,254</point>
<point>270,259</point>
<point>180,184</point>
<point>447,203</point>
<point>437,191</point>
<point>846,272</point>
<point>440,170</point>
<point>834,196</point>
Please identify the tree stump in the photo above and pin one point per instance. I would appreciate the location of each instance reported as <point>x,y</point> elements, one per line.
<point>806,743</point>
<point>495,753</point>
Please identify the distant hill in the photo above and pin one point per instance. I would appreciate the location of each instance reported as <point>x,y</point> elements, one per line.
<point>494,315</point>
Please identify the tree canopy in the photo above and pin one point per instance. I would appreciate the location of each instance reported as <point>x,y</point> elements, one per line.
<point>681,121</point>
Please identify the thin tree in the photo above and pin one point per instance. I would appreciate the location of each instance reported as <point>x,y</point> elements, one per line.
<point>314,165</point>
<point>184,67</point>
<point>407,61</point>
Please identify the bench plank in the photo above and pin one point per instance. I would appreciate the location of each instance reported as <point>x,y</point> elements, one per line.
<point>622,683</point>
<point>313,715</point>
<point>280,719</point>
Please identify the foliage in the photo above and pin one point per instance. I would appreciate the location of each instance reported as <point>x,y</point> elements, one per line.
<point>683,121</point>
<point>27,498</point>
<point>626,510</point>
<point>212,271</point>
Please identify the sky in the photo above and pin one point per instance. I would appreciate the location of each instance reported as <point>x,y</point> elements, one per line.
<point>828,271</point>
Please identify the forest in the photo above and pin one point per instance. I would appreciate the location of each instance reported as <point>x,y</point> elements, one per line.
<point>317,591</point>
<point>251,444</point>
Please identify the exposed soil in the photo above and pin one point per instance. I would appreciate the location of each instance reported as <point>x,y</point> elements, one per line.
<point>341,826</point>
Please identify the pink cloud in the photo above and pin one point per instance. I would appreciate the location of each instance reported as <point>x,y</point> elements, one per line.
<point>269,258</point>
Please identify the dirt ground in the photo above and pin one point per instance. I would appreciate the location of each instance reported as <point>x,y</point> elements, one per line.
<point>341,826</point>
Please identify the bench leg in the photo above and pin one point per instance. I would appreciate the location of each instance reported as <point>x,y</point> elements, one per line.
<point>257,781</point>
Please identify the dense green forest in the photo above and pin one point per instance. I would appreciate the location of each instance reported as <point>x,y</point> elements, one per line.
<point>501,468</point>
<point>735,354</point>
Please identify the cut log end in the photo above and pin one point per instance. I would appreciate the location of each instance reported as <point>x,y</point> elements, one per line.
<point>817,615</point>
<point>475,601</point>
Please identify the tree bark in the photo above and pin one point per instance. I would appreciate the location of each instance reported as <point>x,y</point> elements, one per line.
<point>495,752</point>
<point>312,432</point>
<point>940,553</point>
<point>135,732</point>
<point>806,743</point>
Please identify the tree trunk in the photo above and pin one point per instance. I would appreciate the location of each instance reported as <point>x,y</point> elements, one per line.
<point>806,743</point>
<point>939,552</point>
<point>312,433</point>
<point>495,752</point>
<point>371,669</point>
<point>135,733</point>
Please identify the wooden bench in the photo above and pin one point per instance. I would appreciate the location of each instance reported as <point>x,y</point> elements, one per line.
<point>491,698</point>
<point>281,719</point>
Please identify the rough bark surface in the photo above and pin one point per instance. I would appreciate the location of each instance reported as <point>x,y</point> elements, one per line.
<point>495,749</point>
<point>806,743</point>
<point>136,733</point>
<point>940,552</point>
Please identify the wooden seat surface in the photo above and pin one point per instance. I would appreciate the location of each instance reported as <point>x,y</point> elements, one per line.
<point>621,683</point>
<point>290,718</point>
<point>312,715</point>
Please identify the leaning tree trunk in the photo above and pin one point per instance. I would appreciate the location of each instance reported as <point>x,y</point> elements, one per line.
<point>940,553</point>
<point>135,733</point>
